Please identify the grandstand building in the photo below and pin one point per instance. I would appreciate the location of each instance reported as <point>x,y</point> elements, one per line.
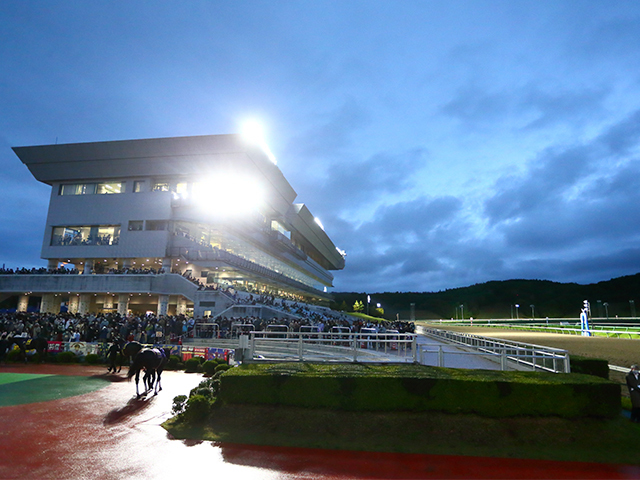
<point>183,225</point>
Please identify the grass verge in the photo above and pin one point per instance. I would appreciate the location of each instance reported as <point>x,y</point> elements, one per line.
<point>551,438</point>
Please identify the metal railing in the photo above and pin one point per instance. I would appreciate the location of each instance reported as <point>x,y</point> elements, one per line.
<point>560,327</point>
<point>510,354</point>
<point>328,347</point>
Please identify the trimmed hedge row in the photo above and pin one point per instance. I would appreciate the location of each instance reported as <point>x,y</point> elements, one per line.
<point>358,387</point>
<point>589,366</point>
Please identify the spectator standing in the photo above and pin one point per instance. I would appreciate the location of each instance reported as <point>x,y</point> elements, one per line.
<point>633,383</point>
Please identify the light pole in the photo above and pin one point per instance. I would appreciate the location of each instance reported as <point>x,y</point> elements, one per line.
<point>517,316</point>
<point>632,304</point>
<point>532,312</point>
<point>606,309</point>
<point>462,312</point>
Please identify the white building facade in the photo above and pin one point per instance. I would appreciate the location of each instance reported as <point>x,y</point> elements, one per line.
<point>173,226</point>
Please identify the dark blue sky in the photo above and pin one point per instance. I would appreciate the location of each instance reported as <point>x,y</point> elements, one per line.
<point>441,144</point>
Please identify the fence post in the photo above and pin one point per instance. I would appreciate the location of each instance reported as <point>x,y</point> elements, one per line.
<point>503,359</point>
<point>300,347</point>
<point>567,363</point>
<point>355,347</point>
<point>533,359</point>
<point>440,356</point>
<point>414,345</point>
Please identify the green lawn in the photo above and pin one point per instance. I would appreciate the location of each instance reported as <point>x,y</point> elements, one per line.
<point>552,438</point>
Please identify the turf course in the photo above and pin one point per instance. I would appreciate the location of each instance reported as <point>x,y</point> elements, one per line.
<point>22,388</point>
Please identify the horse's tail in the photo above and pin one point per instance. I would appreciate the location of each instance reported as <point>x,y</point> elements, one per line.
<point>135,367</point>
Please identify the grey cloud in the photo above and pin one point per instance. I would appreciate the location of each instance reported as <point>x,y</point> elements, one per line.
<point>332,134</point>
<point>416,217</point>
<point>555,171</point>
<point>548,177</point>
<point>554,107</point>
<point>477,107</point>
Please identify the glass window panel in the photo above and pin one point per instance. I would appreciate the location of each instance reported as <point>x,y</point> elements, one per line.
<point>88,188</point>
<point>135,225</point>
<point>138,186</point>
<point>109,188</point>
<point>161,187</point>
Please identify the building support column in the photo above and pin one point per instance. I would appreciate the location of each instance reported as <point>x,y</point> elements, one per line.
<point>48,304</point>
<point>123,304</point>
<point>84,303</point>
<point>23,303</point>
<point>88,267</point>
<point>166,265</point>
<point>181,309</point>
<point>53,263</point>
<point>163,305</point>
<point>74,303</point>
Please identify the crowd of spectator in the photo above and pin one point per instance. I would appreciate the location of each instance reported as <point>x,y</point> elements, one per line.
<point>38,271</point>
<point>70,327</point>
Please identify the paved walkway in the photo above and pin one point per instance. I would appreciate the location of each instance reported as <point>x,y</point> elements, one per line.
<point>454,356</point>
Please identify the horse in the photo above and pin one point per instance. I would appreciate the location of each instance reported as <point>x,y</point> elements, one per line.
<point>39,344</point>
<point>152,361</point>
<point>129,351</point>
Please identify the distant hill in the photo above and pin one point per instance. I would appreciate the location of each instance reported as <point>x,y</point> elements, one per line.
<point>497,299</point>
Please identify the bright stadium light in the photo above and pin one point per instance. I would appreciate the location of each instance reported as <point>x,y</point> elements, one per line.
<point>228,195</point>
<point>253,132</point>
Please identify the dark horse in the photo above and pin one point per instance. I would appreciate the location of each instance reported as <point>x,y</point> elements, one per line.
<point>152,361</point>
<point>40,345</point>
<point>129,351</point>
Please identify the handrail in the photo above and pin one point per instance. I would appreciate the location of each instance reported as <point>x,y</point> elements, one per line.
<point>535,356</point>
<point>300,346</point>
<point>595,330</point>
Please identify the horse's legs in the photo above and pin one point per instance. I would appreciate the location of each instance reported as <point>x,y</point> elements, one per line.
<point>137,379</point>
<point>158,386</point>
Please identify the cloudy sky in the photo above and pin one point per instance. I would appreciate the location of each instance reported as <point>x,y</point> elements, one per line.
<point>441,143</point>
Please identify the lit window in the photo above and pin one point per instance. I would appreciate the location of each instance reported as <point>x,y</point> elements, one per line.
<point>181,188</point>
<point>78,189</point>
<point>96,235</point>
<point>108,188</point>
<point>161,187</point>
<point>138,186</point>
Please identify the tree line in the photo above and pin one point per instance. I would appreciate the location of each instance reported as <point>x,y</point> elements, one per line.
<point>538,299</point>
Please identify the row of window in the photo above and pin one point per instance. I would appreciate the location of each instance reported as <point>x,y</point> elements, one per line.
<point>85,235</point>
<point>153,225</point>
<point>106,188</point>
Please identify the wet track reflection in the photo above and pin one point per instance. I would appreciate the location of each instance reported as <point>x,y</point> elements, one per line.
<point>109,434</point>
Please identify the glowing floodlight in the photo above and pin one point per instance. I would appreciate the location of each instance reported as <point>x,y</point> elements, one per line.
<point>253,132</point>
<point>228,195</point>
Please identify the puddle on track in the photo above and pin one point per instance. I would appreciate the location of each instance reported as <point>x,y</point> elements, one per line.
<point>109,434</point>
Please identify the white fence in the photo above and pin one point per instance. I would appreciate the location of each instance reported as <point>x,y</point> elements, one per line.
<point>510,355</point>
<point>337,347</point>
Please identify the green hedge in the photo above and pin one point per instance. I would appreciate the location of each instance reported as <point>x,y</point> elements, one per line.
<point>590,366</point>
<point>358,387</point>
